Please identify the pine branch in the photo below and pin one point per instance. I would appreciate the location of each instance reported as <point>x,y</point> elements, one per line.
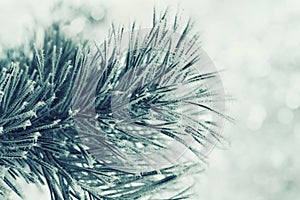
<point>144,99</point>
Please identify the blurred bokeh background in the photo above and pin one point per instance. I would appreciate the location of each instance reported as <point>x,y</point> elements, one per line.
<point>256,43</point>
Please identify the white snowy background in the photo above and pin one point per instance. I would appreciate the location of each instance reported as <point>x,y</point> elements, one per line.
<point>256,42</point>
